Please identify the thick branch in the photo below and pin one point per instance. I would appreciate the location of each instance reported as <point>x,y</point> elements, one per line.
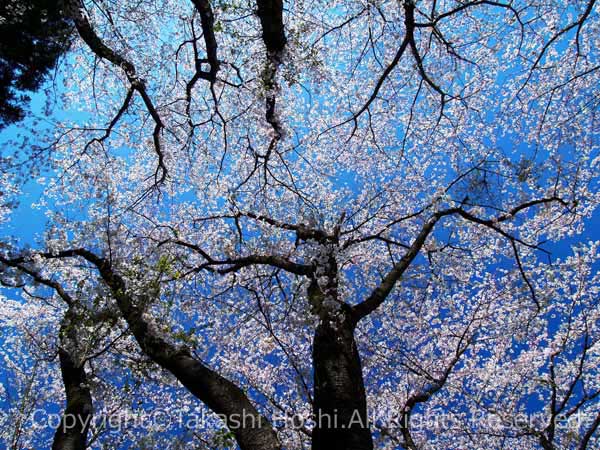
<point>219,394</point>
<point>19,264</point>
<point>590,433</point>
<point>270,13</point>
<point>72,431</point>
<point>235,264</point>
<point>207,20</point>
<point>430,390</point>
<point>275,261</point>
<point>381,292</point>
<point>303,232</point>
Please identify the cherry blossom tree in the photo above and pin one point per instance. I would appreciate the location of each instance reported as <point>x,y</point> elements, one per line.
<point>336,225</point>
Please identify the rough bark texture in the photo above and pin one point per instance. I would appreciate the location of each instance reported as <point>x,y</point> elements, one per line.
<point>72,432</point>
<point>340,404</point>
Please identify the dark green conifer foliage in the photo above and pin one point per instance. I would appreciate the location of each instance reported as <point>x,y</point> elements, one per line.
<point>33,35</point>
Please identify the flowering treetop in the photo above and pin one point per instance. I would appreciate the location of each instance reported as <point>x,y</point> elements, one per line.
<point>315,208</point>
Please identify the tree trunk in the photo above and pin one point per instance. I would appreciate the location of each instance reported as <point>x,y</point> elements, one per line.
<point>72,432</point>
<point>270,13</point>
<point>340,404</point>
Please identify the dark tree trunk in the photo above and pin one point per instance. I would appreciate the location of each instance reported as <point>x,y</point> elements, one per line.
<point>270,13</point>
<point>340,404</point>
<point>72,432</point>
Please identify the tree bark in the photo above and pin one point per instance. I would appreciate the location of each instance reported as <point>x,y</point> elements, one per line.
<point>207,20</point>
<point>270,13</point>
<point>72,432</point>
<point>340,404</point>
<point>252,431</point>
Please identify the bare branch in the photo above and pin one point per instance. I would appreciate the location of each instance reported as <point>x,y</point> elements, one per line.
<point>101,50</point>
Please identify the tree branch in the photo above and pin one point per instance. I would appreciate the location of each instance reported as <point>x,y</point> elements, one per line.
<point>219,394</point>
<point>382,291</point>
<point>270,13</point>
<point>93,41</point>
